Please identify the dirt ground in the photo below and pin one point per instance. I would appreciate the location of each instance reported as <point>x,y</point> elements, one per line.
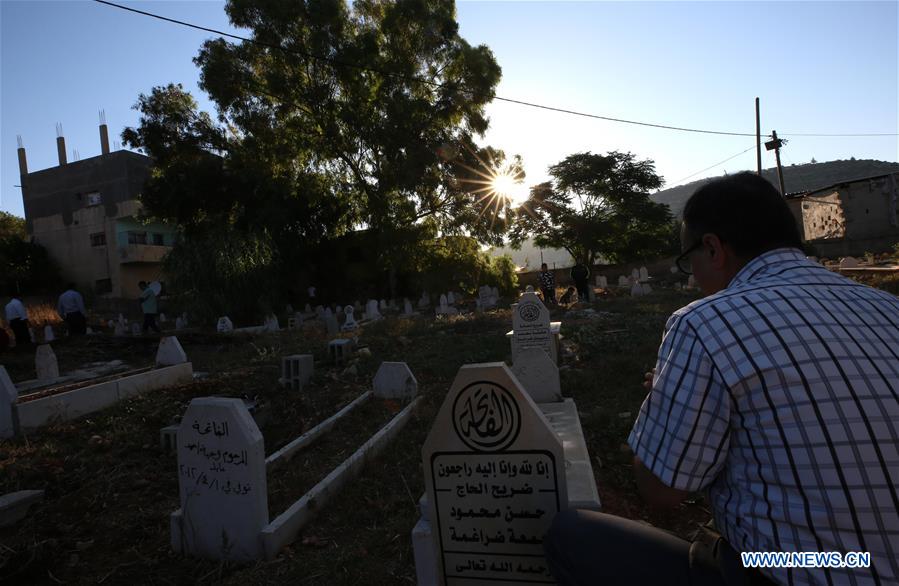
<point>110,487</point>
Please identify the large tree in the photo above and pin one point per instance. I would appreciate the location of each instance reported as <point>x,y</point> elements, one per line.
<point>336,117</point>
<point>597,205</point>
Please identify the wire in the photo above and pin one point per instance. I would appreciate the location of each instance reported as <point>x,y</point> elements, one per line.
<point>679,181</point>
<point>435,84</point>
<point>336,62</point>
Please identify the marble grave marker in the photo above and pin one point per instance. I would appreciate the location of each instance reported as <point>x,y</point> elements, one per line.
<point>495,478</point>
<point>222,482</point>
<point>530,325</point>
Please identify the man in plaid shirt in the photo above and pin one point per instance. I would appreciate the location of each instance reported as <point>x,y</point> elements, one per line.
<point>778,395</point>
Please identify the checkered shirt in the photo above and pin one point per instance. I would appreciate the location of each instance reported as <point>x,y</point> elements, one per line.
<point>780,395</point>
<point>547,280</point>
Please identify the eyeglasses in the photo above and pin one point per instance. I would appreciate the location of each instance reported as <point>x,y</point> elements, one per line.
<point>683,261</point>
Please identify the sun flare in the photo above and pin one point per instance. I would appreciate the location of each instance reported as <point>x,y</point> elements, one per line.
<point>509,186</point>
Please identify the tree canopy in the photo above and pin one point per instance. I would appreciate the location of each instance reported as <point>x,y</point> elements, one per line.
<point>597,205</point>
<point>336,117</point>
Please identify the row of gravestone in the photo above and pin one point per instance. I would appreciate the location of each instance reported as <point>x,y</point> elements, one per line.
<point>222,472</point>
<point>505,454</point>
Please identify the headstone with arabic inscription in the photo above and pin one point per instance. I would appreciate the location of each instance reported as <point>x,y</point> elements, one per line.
<point>222,482</point>
<point>530,326</point>
<point>495,479</point>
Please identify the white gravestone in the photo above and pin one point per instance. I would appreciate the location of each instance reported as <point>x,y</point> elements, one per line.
<point>495,479</point>
<point>538,375</point>
<point>407,307</point>
<point>350,322</point>
<point>271,323</point>
<point>691,282</point>
<point>371,310</point>
<point>394,380</point>
<point>8,396</point>
<point>644,274</point>
<point>170,352</point>
<point>602,281</point>
<point>45,363</point>
<point>383,305</point>
<point>529,289</point>
<point>849,263</point>
<point>450,298</point>
<point>179,323</point>
<point>136,329</point>
<point>222,482</point>
<point>331,324</point>
<point>623,281</point>
<point>424,301</point>
<point>119,329</point>
<point>308,308</point>
<point>224,325</point>
<point>297,370</point>
<point>48,333</point>
<point>635,275</point>
<point>162,318</point>
<point>530,326</point>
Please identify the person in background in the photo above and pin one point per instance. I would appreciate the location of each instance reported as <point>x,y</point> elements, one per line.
<point>70,308</point>
<point>580,274</point>
<point>776,396</point>
<point>149,306</point>
<point>569,296</point>
<point>547,284</point>
<point>17,318</point>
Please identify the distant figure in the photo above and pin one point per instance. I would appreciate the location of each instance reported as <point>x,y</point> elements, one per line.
<point>149,306</point>
<point>547,284</point>
<point>70,308</point>
<point>17,318</point>
<point>580,274</point>
<point>568,297</point>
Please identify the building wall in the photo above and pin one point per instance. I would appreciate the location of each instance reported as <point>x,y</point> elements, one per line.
<point>62,212</point>
<point>865,218</point>
<point>822,216</point>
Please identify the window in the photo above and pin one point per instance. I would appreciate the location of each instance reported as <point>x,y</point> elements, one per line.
<point>94,199</point>
<point>98,239</point>
<point>137,237</point>
<point>103,286</point>
<point>158,240</point>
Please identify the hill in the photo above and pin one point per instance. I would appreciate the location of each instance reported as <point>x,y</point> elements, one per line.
<point>529,256</point>
<point>797,178</point>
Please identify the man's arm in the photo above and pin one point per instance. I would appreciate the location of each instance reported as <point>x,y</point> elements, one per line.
<point>654,491</point>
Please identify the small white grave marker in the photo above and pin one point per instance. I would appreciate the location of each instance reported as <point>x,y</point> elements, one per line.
<point>222,482</point>
<point>530,326</point>
<point>224,325</point>
<point>394,380</point>
<point>8,396</point>
<point>170,352</point>
<point>495,478</point>
<point>48,333</point>
<point>424,301</point>
<point>136,329</point>
<point>849,262</point>
<point>450,298</point>
<point>644,274</point>
<point>297,370</point>
<point>538,375</point>
<point>623,281</point>
<point>407,307</point>
<point>271,323</point>
<point>350,323</point>
<point>45,363</point>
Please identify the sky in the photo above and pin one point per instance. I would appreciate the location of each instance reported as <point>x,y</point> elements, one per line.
<point>817,67</point>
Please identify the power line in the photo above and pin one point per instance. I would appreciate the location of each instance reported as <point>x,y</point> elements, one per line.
<point>332,61</point>
<point>339,63</point>
<point>679,181</point>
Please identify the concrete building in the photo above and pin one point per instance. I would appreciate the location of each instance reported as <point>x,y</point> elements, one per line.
<point>850,218</point>
<point>86,214</point>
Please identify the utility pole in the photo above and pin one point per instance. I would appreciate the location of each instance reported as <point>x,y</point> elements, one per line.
<point>775,144</point>
<point>758,137</point>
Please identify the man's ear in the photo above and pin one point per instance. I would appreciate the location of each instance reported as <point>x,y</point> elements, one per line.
<point>718,253</point>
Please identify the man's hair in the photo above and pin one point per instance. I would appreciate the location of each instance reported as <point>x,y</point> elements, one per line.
<point>542,265</point>
<point>70,286</point>
<point>744,211</point>
<point>142,284</point>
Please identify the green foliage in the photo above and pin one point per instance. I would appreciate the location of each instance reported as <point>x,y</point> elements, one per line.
<point>26,267</point>
<point>598,205</point>
<point>306,150</point>
<point>223,272</point>
<point>12,226</point>
<point>457,263</point>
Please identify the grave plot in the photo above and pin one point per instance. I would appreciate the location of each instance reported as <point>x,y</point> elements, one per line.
<point>54,402</point>
<point>222,466</point>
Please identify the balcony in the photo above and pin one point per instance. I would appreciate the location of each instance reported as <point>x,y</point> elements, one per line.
<point>141,253</point>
